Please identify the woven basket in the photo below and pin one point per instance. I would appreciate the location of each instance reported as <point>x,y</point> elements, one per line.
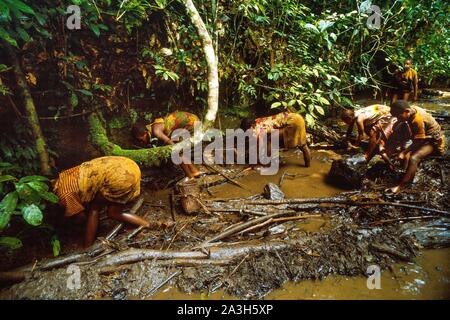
<point>189,190</point>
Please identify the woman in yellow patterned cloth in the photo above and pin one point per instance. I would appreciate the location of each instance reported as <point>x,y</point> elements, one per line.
<point>162,129</point>
<point>292,128</point>
<point>111,181</point>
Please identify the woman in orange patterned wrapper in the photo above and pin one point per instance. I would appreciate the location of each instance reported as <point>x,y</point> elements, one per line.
<point>162,129</point>
<point>292,129</point>
<point>112,181</point>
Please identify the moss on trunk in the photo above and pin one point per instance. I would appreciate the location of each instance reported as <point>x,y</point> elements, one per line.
<point>144,157</point>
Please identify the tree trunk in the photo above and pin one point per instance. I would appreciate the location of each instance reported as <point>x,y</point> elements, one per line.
<point>151,157</point>
<point>213,78</point>
<point>32,117</point>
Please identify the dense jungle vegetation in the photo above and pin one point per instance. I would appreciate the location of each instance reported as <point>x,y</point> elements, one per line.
<point>138,59</point>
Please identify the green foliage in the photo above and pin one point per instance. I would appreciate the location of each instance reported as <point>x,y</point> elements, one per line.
<point>24,199</point>
<point>11,243</point>
<point>16,147</point>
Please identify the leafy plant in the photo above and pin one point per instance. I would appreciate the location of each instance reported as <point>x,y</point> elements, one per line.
<point>23,199</point>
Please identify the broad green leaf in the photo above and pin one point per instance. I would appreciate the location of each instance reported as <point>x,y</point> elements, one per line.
<point>320,110</point>
<point>85,92</point>
<point>17,4</point>
<point>56,246</point>
<point>7,37</point>
<point>7,178</point>
<point>11,243</point>
<point>309,119</point>
<point>324,101</point>
<point>73,100</point>
<point>312,27</point>
<point>5,217</point>
<point>33,178</point>
<point>23,34</point>
<point>27,193</point>
<point>50,197</point>
<point>9,202</point>
<point>365,6</point>
<point>40,18</point>
<point>40,187</point>
<point>32,214</point>
<point>95,29</point>
<point>275,105</point>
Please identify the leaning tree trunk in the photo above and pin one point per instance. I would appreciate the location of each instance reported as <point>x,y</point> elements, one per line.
<point>150,157</point>
<point>32,117</point>
<point>208,48</point>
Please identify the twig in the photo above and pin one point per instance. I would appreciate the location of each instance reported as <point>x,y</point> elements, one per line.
<point>237,267</point>
<point>258,226</point>
<point>297,218</point>
<point>172,205</point>
<point>239,227</point>
<point>404,219</point>
<point>162,283</point>
<point>134,233</point>
<point>225,176</point>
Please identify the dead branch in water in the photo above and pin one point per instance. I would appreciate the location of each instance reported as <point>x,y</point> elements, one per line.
<point>225,176</point>
<point>258,226</point>
<point>404,219</point>
<point>242,226</point>
<point>343,201</point>
<point>158,286</point>
<point>392,252</point>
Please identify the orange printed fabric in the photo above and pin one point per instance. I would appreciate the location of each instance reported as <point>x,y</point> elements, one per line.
<point>294,133</point>
<point>268,124</point>
<point>117,179</point>
<point>67,189</point>
<point>179,120</point>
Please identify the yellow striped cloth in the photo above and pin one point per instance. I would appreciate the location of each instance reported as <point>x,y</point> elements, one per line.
<point>68,191</point>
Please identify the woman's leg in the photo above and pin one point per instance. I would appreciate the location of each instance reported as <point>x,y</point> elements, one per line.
<point>413,164</point>
<point>186,169</point>
<point>306,155</point>
<point>115,212</point>
<point>92,224</point>
<point>394,97</point>
<point>405,96</point>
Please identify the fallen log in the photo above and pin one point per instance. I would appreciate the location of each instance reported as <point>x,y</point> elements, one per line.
<point>392,252</point>
<point>216,254</point>
<point>404,219</point>
<point>344,201</point>
<point>225,176</point>
<point>242,226</point>
<point>135,255</point>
